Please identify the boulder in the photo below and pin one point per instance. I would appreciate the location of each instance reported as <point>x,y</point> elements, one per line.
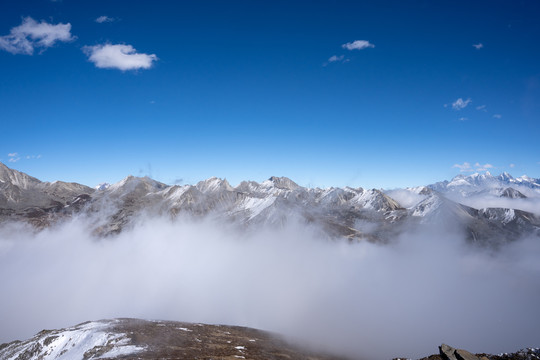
<point>449,353</point>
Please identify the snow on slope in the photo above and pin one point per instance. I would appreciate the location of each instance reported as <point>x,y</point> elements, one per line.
<point>275,201</point>
<point>91,340</point>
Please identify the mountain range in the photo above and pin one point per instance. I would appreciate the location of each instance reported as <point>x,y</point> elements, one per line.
<point>487,209</point>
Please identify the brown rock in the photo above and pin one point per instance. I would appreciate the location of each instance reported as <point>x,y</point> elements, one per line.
<point>465,355</point>
<point>449,353</point>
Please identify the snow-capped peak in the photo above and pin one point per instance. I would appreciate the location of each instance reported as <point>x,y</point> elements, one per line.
<point>505,176</point>
<point>525,178</point>
<point>213,184</point>
<point>283,183</point>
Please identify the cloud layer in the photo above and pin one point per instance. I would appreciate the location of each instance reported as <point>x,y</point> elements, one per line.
<point>23,39</point>
<point>119,56</point>
<point>365,300</point>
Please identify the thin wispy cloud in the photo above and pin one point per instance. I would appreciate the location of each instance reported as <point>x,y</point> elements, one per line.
<point>104,19</point>
<point>482,108</point>
<point>497,116</point>
<point>478,46</point>
<point>33,156</point>
<point>512,166</point>
<point>484,167</point>
<point>460,104</point>
<point>358,45</point>
<point>23,39</point>
<point>119,56</point>
<point>336,58</point>
<point>463,167</point>
<point>467,167</point>
<point>463,119</point>
<point>13,157</point>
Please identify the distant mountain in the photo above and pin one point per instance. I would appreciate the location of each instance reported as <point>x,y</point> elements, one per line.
<point>352,213</point>
<point>466,184</point>
<point>24,196</point>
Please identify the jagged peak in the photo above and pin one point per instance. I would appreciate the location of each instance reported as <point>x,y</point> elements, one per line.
<point>505,176</point>
<point>512,193</point>
<point>16,177</point>
<point>525,178</point>
<point>214,184</point>
<point>281,183</point>
<point>133,181</point>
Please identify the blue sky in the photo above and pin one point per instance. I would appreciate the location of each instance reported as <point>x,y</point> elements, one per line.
<point>372,94</point>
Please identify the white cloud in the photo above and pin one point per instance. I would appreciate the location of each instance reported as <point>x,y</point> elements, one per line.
<point>460,104</point>
<point>497,116</point>
<point>512,166</point>
<point>463,119</point>
<point>478,46</point>
<point>199,275</point>
<point>23,39</point>
<point>13,154</point>
<point>104,19</point>
<point>118,56</point>
<point>467,167</point>
<point>358,45</point>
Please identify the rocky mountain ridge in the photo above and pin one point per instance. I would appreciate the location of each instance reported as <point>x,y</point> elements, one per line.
<point>143,339</point>
<point>353,213</point>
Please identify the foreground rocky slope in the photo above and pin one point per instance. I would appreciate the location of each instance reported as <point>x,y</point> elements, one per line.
<point>353,213</point>
<point>447,352</point>
<point>141,339</point>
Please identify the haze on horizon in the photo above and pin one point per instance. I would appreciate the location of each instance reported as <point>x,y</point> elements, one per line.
<point>349,94</point>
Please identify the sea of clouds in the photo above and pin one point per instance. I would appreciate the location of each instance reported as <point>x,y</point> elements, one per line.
<point>359,299</point>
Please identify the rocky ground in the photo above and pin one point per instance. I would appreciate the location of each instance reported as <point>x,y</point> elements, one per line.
<point>447,352</point>
<point>143,339</point>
